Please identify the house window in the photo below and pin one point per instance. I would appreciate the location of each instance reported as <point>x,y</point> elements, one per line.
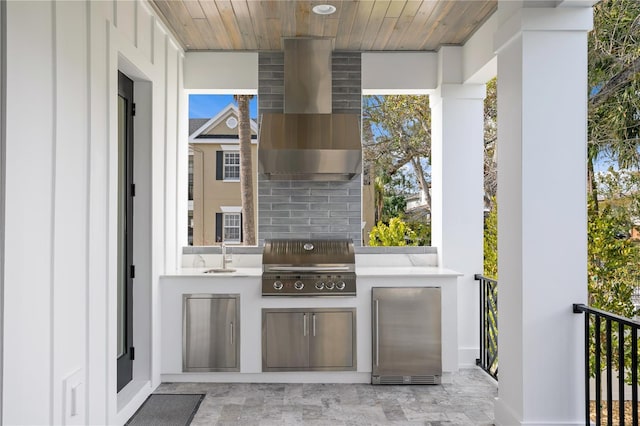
<point>231,165</point>
<point>231,227</point>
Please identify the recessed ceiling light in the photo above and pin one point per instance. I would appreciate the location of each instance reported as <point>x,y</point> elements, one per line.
<point>324,9</point>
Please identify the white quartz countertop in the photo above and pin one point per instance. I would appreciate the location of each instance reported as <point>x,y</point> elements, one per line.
<point>403,271</point>
<point>200,272</point>
<point>365,271</point>
<point>367,265</point>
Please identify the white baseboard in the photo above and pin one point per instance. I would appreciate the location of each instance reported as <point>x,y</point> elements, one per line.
<point>505,416</point>
<point>274,377</point>
<point>467,357</point>
<point>130,398</point>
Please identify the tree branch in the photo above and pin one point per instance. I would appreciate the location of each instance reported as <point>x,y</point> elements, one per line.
<point>617,81</point>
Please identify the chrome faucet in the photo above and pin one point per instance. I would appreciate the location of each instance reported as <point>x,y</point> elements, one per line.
<point>226,258</point>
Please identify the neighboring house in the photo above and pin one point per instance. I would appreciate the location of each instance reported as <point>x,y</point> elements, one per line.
<point>417,209</point>
<point>215,206</point>
<point>415,201</point>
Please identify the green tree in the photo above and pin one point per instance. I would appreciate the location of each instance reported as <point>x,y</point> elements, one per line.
<point>612,261</point>
<point>614,84</point>
<point>397,233</point>
<point>490,141</point>
<point>398,134</point>
<point>491,180</point>
<point>613,276</point>
<point>491,242</point>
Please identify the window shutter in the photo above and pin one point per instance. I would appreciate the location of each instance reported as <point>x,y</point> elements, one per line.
<point>219,165</point>
<point>241,227</point>
<point>219,220</point>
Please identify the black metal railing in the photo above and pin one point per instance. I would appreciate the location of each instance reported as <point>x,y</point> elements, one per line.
<point>611,347</point>
<point>488,360</point>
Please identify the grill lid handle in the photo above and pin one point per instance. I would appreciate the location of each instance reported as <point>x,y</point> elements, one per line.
<point>308,268</point>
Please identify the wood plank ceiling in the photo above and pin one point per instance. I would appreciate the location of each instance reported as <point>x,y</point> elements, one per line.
<point>365,25</point>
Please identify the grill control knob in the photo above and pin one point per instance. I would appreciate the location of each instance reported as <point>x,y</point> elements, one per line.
<point>278,285</point>
<point>340,285</point>
<point>299,285</point>
<point>330,285</point>
<point>319,285</point>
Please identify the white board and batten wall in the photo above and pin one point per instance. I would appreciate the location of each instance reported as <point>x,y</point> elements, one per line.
<point>61,171</point>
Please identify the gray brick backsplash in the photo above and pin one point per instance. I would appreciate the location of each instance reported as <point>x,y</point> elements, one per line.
<point>357,238</point>
<point>328,206</point>
<point>309,209</point>
<point>308,228</point>
<point>290,191</point>
<point>310,184</point>
<point>310,213</point>
<point>340,198</point>
<point>275,213</point>
<point>264,220</point>
<point>356,241</point>
<point>353,213</point>
<point>292,235</point>
<point>290,206</point>
<point>329,221</point>
<point>309,199</point>
<point>268,97</point>
<point>290,221</point>
<point>275,228</point>
<point>275,183</point>
<point>274,199</point>
<point>343,228</point>
<point>330,192</point>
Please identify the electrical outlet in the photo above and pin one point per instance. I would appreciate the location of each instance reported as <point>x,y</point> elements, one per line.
<point>74,398</point>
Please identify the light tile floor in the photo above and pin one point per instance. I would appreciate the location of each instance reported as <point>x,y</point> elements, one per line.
<point>467,400</point>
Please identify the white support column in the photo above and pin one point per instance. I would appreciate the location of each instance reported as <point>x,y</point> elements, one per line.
<point>457,190</point>
<point>542,110</point>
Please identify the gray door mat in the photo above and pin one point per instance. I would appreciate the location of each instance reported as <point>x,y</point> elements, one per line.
<point>167,410</point>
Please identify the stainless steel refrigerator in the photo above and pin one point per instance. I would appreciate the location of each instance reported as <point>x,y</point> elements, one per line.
<point>407,335</point>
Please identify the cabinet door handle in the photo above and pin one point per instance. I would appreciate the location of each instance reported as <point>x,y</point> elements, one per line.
<point>314,325</point>
<point>304,324</point>
<point>377,332</point>
<point>231,326</point>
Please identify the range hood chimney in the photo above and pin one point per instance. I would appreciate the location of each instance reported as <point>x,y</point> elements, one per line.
<point>308,142</point>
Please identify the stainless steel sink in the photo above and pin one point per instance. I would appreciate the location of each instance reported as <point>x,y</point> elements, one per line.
<point>219,270</point>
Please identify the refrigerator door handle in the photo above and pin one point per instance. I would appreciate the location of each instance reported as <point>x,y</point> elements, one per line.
<point>377,304</point>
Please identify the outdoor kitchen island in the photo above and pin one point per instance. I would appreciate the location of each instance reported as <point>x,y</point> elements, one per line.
<point>373,269</point>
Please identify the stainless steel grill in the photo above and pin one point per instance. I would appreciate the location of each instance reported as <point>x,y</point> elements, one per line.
<point>308,268</point>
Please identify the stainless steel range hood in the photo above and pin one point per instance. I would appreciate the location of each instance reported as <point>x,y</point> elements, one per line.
<point>308,142</point>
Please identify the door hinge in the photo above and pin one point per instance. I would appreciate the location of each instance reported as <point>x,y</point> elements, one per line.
<point>133,189</point>
<point>132,353</point>
<point>133,109</point>
<point>132,271</point>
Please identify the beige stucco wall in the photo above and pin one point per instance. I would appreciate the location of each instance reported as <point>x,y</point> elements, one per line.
<point>210,194</point>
